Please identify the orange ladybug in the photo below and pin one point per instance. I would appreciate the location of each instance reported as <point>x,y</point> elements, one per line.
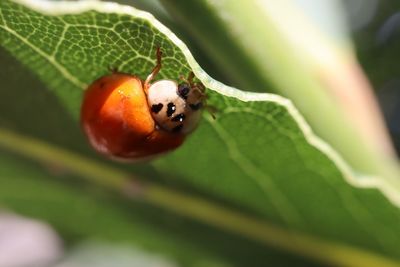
<point>127,118</point>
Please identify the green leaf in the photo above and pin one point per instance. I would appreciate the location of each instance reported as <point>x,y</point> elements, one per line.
<point>253,186</point>
<point>276,46</point>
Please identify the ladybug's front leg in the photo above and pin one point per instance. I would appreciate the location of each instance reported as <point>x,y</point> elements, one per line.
<point>155,71</point>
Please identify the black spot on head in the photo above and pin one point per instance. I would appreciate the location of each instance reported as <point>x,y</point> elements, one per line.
<point>156,108</point>
<point>196,106</point>
<point>183,90</point>
<point>171,108</point>
<point>179,117</point>
<point>177,129</point>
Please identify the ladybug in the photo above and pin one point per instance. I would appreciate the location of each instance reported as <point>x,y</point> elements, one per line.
<point>130,119</point>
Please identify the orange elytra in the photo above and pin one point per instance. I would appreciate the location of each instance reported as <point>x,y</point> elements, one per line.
<point>130,119</point>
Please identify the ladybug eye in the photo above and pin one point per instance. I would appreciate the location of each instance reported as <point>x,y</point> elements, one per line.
<point>183,90</point>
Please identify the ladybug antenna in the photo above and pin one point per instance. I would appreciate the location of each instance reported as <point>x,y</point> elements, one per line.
<point>155,71</point>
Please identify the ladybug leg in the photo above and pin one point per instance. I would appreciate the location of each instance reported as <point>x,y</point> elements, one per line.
<point>212,110</point>
<point>155,71</point>
<point>200,89</point>
<point>190,79</point>
<point>113,69</point>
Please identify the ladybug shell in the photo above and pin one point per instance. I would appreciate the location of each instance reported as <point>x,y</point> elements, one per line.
<point>117,121</point>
